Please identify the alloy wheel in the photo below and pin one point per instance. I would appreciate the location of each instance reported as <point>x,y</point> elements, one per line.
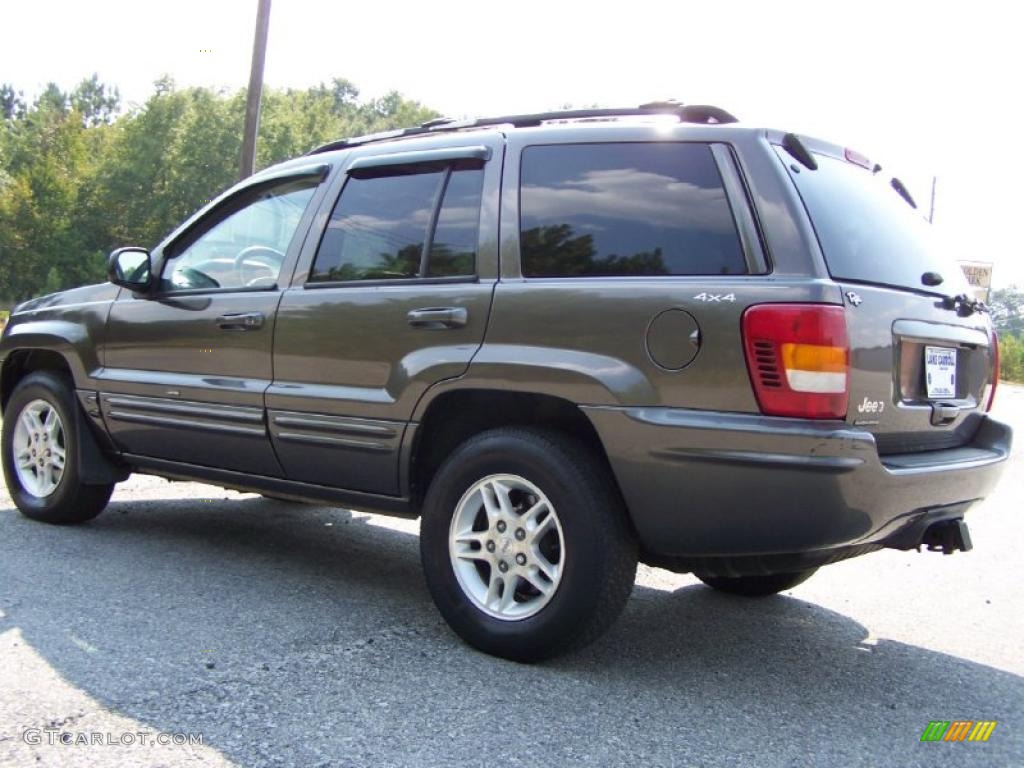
<point>40,449</point>
<point>507,547</point>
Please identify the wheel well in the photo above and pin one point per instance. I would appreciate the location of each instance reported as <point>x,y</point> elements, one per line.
<point>22,362</point>
<point>454,417</point>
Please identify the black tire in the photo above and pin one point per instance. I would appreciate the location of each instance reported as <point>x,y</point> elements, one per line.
<point>599,566</point>
<point>71,501</point>
<point>757,586</point>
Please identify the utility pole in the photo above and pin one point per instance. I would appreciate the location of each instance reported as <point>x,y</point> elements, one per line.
<point>254,95</point>
<point>931,208</point>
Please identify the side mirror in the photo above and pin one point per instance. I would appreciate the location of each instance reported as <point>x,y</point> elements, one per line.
<point>130,268</point>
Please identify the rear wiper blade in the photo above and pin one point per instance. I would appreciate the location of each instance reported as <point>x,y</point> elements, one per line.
<point>901,188</point>
<point>963,304</point>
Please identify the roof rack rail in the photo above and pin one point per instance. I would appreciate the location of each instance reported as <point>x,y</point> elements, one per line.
<point>688,113</point>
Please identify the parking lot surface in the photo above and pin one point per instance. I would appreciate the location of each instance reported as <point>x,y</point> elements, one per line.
<point>291,635</point>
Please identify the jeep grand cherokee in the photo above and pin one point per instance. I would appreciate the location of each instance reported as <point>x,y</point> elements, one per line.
<point>566,341</point>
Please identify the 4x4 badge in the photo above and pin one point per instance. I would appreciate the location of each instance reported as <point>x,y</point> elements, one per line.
<point>854,298</point>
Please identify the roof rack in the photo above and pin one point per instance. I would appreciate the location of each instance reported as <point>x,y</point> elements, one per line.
<point>689,113</point>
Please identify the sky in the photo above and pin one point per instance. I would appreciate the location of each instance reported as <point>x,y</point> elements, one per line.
<point>927,89</point>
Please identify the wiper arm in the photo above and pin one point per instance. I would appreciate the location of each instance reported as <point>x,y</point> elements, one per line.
<point>901,188</point>
<point>964,305</point>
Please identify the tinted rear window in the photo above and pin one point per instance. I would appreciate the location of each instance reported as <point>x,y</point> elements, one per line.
<point>867,231</point>
<point>381,225</point>
<point>378,228</point>
<point>625,209</point>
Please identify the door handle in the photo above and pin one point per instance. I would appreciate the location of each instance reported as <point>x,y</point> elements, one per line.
<point>241,321</point>
<point>438,318</point>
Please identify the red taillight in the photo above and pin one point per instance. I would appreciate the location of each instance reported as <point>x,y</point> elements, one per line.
<point>798,356</point>
<point>995,372</point>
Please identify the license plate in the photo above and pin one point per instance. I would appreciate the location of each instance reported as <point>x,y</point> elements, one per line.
<point>940,371</point>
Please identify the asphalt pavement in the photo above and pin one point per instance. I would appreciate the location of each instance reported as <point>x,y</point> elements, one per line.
<point>289,635</point>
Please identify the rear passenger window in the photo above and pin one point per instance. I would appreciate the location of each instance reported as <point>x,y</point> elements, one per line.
<point>625,210</point>
<point>410,223</point>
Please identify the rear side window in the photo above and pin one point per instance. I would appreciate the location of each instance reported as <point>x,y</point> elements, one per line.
<point>625,210</point>
<point>867,231</point>
<point>416,222</point>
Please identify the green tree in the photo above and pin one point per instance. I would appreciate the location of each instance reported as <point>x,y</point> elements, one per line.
<point>45,157</point>
<point>1011,357</point>
<point>52,99</point>
<point>79,176</point>
<point>1007,308</point>
<point>95,102</point>
<point>12,103</point>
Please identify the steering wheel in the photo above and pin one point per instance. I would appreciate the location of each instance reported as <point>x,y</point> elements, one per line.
<point>260,257</point>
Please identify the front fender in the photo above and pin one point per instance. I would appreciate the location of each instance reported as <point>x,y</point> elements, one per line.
<point>75,345</point>
<point>67,339</point>
<point>74,331</point>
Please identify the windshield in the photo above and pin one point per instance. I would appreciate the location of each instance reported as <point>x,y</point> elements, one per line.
<point>867,230</point>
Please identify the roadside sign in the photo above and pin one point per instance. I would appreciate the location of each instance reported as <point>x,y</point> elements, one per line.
<point>979,275</point>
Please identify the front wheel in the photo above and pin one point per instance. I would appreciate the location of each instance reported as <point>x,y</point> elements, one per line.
<point>39,452</point>
<point>757,586</point>
<point>525,545</point>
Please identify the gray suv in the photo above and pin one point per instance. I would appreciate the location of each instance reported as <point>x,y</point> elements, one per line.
<point>568,342</point>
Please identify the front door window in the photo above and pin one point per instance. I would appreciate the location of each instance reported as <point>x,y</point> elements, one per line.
<point>246,245</point>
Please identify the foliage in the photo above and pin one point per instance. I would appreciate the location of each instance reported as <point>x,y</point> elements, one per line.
<point>12,103</point>
<point>1011,357</point>
<point>1007,308</point>
<point>79,176</point>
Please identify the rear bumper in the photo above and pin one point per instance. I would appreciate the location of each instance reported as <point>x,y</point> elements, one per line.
<point>705,484</point>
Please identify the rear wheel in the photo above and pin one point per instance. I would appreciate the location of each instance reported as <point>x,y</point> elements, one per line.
<point>39,452</point>
<point>757,586</point>
<point>525,545</point>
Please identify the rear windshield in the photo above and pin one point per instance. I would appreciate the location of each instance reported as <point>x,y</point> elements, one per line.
<point>868,232</point>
